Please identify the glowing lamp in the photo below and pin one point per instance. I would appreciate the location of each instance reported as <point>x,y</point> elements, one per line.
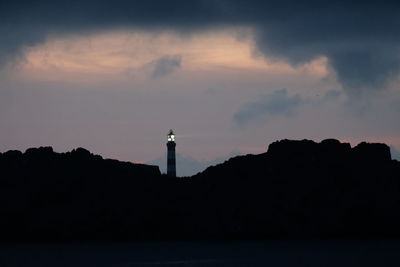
<point>171,136</point>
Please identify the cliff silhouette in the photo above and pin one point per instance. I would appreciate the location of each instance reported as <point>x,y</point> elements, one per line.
<point>297,189</point>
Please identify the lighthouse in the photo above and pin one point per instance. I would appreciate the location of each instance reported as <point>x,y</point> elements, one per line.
<point>171,162</point>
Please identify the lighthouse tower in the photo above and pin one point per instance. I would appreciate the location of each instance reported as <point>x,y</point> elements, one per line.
<point>171,162</point>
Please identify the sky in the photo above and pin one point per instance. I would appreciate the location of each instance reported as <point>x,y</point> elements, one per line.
<point>228,76</point>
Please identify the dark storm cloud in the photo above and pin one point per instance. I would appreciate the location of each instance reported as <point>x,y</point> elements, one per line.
<point>166,65</point>
<point>360,38</point>
<point>276,103</point>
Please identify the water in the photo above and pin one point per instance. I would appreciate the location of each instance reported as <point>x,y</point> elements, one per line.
<point>210,254</point>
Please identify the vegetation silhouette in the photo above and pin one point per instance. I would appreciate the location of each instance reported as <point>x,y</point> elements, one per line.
<point>297,189</point>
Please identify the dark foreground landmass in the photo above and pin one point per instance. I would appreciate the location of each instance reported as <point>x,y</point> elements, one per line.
<point>298,189</point>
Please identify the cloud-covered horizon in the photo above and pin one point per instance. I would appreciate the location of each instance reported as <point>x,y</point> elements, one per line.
<point>188,166</point>
<point>360,39</point>
<point>395,153</point>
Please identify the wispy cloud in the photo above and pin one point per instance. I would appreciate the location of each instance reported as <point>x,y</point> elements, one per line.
<point>165,65</point>
<point>275,103</point>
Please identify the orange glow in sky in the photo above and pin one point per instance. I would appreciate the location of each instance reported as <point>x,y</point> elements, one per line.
<point>116,55</point>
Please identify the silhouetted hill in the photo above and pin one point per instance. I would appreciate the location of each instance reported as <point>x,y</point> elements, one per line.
<point>45,195</point>
<point>297,189</point>
<point>309,190</point>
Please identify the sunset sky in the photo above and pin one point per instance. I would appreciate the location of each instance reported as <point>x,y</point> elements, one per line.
<point>229,76</point>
